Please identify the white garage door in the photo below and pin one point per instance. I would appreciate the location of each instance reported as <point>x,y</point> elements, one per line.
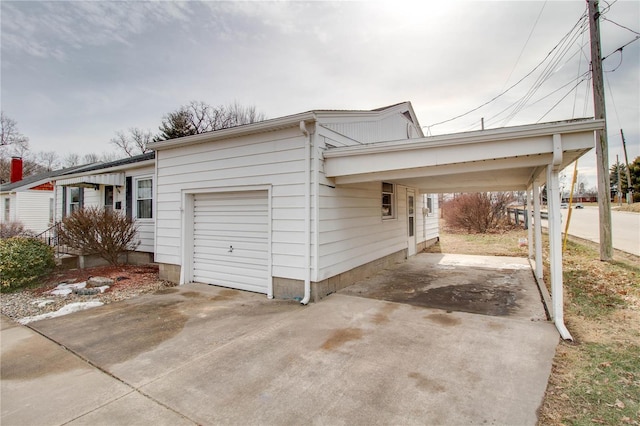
<point>231,240</point>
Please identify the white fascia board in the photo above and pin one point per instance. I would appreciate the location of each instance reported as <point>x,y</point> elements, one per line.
<point>246,129</point>
<point>120,168</point>
<point>478,137</point>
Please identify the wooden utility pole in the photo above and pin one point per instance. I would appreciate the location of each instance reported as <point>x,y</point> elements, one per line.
<point>619,185</point>
<point>626,161</point>
<point>602,146</point>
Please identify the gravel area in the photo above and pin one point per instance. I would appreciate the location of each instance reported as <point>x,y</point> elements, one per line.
<point>129,281</point>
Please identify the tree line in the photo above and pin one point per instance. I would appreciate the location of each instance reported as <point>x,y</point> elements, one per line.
<point>193,118</point>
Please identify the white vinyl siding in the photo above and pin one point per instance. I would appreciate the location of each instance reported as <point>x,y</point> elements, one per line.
<point>431,221</point>
<point>391,128</point>
<point>275,159</point>
<point>31,208</point>
<point>231,240</point>
<point>352,231</point>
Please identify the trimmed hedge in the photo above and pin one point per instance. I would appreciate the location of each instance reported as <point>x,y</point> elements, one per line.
<point>23,261</point>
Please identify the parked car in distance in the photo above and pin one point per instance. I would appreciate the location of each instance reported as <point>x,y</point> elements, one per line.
<point>579,206</point>
<point>564,205</point>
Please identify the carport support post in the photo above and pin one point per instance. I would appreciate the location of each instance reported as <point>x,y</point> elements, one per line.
<point>555,243</point>
<point>537,224</point>
<point>528,214</point>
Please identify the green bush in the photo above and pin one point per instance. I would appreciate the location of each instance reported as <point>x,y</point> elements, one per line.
<point>23,261</point>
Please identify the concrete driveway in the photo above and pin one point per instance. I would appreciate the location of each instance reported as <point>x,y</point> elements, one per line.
<point>199,354</point>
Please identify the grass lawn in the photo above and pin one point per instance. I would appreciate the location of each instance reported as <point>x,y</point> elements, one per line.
<point>596,378</point>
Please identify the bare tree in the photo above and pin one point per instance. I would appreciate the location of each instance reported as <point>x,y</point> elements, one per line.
<point>134,142</point>
<point>90,158</point>
<point>9,134</point>
<point>48,159</point>
<point>200,117</point>
<point>71,160</point>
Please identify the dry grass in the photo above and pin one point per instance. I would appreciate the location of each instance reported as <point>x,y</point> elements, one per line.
<point>635,207</point>
<point>596,379</point>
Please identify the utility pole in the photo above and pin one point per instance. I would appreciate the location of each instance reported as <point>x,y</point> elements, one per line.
<point>619,185</point>
<point>602,146</point>
<point>626,161</point>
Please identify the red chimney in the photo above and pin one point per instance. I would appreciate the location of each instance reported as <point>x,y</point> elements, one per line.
<point>16,169</point>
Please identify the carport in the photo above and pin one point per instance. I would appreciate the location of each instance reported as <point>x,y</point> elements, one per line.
<point>520,158</point>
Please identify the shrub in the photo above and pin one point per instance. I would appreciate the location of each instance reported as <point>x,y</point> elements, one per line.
<point>23,261</point>
<point>479,212</point>
<point>13,229</point>
<point>93,230</point>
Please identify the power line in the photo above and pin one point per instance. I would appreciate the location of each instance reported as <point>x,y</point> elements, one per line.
<point>620,25</point>
<point>561,99</point>
<point>525,44</point>
<point>560,43</point>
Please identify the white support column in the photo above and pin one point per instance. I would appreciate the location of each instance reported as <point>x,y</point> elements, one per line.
<point>529,220</point>
<point>537,230</point>
<point>555,239</point>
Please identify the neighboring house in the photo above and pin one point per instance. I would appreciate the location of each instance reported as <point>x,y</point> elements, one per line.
<point>28,201</point>
<point>251,207</point>
<point>125,185</point>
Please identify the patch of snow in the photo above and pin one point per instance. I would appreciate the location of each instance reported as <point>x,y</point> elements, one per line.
<point>65,289</point>
<point>42,302</point>
<point>65,310</point>
<point>102,288</point>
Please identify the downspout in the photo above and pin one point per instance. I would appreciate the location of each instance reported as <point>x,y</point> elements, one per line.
<point>307,213</point>
<point>555,243</point>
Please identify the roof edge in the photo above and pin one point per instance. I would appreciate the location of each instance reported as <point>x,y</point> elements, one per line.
<point>528,130</point>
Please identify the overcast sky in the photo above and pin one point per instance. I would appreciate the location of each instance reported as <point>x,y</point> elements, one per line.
<point>74,73</point>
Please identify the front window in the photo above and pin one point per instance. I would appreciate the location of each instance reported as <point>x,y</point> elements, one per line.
<point>74,199</point>
<point>108,198</point>
<point>144,198</point>
<point>388,201</point>
<point>7,209</point>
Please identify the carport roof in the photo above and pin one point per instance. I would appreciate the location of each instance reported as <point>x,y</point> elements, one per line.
<point>509,158</point>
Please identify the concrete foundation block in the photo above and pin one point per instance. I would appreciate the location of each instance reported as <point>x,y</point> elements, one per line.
<point>169,272</point>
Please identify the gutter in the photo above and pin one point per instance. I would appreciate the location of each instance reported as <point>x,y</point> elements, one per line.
<point>307,213</point>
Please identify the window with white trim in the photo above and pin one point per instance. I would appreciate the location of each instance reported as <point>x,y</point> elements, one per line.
<point>75,202</point>
<point>388,201</point>
<point>7,209</point>
<point>144,198</point>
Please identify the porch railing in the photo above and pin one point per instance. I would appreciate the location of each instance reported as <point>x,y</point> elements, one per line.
<point>51,237</point>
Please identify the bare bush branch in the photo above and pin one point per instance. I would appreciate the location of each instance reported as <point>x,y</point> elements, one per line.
<point>106,233</point>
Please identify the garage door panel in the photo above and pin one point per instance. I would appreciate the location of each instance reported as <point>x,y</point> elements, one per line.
<point>248,259</point>
<point>239,220</point>
<point>240,248</point>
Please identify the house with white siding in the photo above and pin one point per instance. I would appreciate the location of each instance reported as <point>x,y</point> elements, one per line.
<point>28,201</point>
<point>125,185</point>
<point>252,207</point>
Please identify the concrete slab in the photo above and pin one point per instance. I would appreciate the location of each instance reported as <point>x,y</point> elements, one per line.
<point>131,410</point>
<point>206,355</point>
<point>144,338</point>
<point>352,360</point>
<point>488,285</point>
<point>41,383</point>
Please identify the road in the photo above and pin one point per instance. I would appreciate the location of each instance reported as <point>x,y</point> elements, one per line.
<point>625,227</point>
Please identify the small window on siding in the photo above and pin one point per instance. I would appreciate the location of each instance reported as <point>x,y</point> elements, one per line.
<point>144,198</point>
<point>429,205</point>
<point>388,201</point>
<point>51,210</point>
<point>7,209</point>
